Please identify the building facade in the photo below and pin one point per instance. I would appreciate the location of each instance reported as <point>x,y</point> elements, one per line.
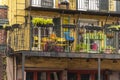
<point>63,40</point>
<point>3,38</point>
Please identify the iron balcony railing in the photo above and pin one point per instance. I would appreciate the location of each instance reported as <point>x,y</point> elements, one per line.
<point>84,5</point>
<point>40,3</point>
<point>89,40</point>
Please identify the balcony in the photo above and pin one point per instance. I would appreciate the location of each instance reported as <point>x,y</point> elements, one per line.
<point>105,6</point>
<point>65,38</point>
<point>99,5</point>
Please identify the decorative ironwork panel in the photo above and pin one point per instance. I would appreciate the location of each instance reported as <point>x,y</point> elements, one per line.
<point>103,5</point>
<point>47,3</point>
<point>118,5</point>
<point>43,3</point>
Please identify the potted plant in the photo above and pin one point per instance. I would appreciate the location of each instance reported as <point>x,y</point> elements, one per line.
<point>40,22</point>
<point>49,22</point>
<point>114,27</point>
<point>81,30</point>
<point>110,35</point>
<point>81,47</point>
<point>109,49</point>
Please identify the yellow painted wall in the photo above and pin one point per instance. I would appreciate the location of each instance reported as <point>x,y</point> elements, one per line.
<point>72,64</point>
<point>111,5</point>
<point>16,15</point>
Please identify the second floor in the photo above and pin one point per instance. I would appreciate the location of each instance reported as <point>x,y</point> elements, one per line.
<point>67,33</point>
<point>80,5</point>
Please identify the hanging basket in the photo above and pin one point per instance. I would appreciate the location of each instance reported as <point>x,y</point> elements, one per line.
<point>81,31</point>
<point>110,35</point>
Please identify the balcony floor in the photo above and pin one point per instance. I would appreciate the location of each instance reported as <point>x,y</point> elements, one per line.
<point>69,54</point>
<point>66,11</point>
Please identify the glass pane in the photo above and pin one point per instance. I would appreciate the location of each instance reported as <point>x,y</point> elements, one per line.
<point>41,76</point>
<point>47,3</point>
<point>118,5</point>
<point>85,76</point>
<point>72,76</point>
<point>29,75</point>
<point>101,78</point>
<point>55,76</point>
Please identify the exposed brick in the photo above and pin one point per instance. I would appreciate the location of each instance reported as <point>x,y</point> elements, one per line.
<point>3,13</point>
<point>3,36</point>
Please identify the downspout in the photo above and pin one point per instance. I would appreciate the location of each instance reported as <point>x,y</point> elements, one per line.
<point>99,69</point>
<point>16,69</point>
<point>30,25</point>
<point>13,69</point>
<point>23,65</point>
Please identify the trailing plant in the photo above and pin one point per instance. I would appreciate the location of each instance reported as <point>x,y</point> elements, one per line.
<point>110,35</point>
<point>115,27</point>
<point>81,46</point>
<point>41,21</point>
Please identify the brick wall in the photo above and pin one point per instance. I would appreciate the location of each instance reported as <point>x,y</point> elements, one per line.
<point>1,68</point>
<point>3,12</point>
<point>3,36</point>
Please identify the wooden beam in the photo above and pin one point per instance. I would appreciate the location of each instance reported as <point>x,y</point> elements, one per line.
<point>73,11</point>
<point>70,54</point>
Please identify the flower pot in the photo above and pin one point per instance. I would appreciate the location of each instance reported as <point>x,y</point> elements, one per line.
<point>108,51</point>
<point>110,35</point>
<point>81,31</point>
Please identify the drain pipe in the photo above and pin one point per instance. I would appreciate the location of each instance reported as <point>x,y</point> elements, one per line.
<point>99,68</point>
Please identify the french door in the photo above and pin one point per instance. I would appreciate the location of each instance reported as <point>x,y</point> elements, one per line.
<point>47,75</point>
<point>57,75</point>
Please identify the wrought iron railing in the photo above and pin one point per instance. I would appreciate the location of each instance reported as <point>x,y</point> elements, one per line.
<point>91,40</point>
<point>41,3</point>
<point>85,5</point>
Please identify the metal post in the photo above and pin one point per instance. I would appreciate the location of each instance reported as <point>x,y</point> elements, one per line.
<point>99,66</point>
<point>117,43</point>
<point>23,61</point>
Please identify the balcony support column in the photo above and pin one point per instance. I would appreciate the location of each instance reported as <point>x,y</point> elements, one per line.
<point>99,68</point>
<point>23,63</point>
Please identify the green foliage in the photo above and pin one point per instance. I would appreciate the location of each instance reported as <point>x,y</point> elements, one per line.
<point>81,46</point>
<point>117,27</point>
<point>110,47</point>
<point>41,21</point>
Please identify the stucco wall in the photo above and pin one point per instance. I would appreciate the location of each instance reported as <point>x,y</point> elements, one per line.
<point>9,68</point>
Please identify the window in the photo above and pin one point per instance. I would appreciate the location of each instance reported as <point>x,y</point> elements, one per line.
<point>55,76</point>
<point>41,76</point>
<point>72,76</point>
<point>44,75</point>
<point>85,76</point>
<point>29,75</point>
<point>39,33</point>
<point>102,77</point>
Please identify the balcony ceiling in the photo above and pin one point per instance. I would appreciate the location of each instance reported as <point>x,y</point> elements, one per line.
<point>69,55</point>
<point>65,11</point>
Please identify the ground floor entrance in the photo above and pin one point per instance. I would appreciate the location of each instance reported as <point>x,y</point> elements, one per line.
<point>65,75</point>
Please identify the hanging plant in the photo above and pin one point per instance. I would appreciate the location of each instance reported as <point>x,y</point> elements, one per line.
<point>49,21</point>
<point>115,27</point>
<point>81,31</point>
<point>41,22</point>
<point>110,35</point>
